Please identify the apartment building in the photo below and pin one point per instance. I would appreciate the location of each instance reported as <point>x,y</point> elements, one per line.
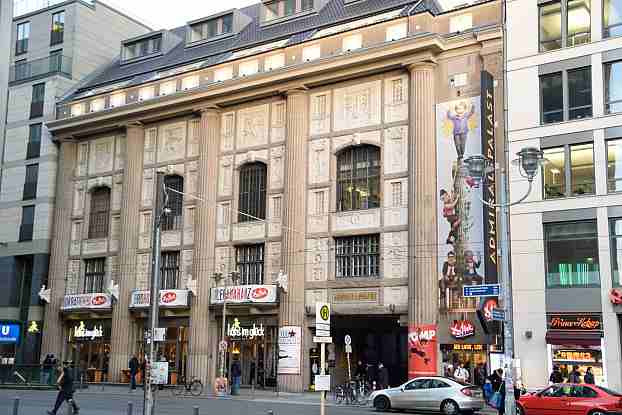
<point>563,89</point>
<point>52,47</point>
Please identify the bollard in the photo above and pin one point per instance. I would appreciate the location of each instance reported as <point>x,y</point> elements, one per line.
<point>16,406</point>
<point>195,410</point>
<point>130,408</point>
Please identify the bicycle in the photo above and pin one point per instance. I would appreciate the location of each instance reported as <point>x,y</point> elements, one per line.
<point>362,391</point>
<point>194,387</point>
<point>345,393</point>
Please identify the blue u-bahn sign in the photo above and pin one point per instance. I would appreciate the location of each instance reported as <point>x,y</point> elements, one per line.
<point>10,332</point>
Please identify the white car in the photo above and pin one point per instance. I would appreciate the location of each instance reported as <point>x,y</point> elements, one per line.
<point>433,394</point>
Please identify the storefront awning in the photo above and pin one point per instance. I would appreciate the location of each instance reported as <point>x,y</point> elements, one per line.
<point>578,338</point>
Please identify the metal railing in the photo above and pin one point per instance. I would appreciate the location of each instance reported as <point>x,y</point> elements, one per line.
<point>40,67</point>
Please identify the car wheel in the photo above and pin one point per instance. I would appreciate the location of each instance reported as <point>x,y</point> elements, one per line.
<point>382,404</point>
<point>449,407</point>
<point>598,412</point>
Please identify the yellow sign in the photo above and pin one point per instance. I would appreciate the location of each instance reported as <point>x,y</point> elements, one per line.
<point>355,296</point>
<point>33,327</point>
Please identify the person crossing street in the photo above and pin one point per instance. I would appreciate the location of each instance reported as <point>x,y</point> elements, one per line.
<point>65,383</point>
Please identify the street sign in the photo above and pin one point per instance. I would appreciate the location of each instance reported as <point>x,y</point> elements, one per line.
<point>322,313</point>
<point>484,290</point>
<point>498,314</point>
<point>322,333</point>
<point>322,383</point>
<point>322,326</point>
<point>348,348</point>
<point>159,334</point>
<point>322,339</point>
<point>348,340</point>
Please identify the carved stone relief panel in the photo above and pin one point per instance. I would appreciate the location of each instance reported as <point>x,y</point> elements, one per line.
<point>194,130</point>
<point>395,202</point>
<point>99,182</point>
<point>171,239</point>
<point>253,126</point>
<point>148,185</point>
<point>151,136</point>
<point>277,167</point>
<point>78,198</point>
<point>396,296</point>
<point>143,271</point>
<point>115,232</point>
<point>321,111</point>
<point>112,269</point>
<point>223,221</point>
<point>275,213</point>
<point>274,261</point>
<point>225,176</point>
<point>317,210</point>
<point>396,99</point>
<point>362,219</point>
<point>94,246</point>
<point>249,230</point>
<point>170,169</point>
<point>76,238</point>
<point>279,121</point>
<point>317,259</point>
<point>315,296</point>
<point>189,226</point>
<point>396,150</point>
<point>117,191</point>
<point>144,239</point>
<point>191,180</point>
<point>187,259</point>
<point>222,259</point>
<point>101,153</point>
<point>73,277</point>
<point>171,141</point>
<point>319,161</point>
<point>395,254</point>
<point>227,127</point>
<point>357,106</point>
<point>120,152</point>
<point>83,160</point>
<point>251,157</point>
<point>369,137</point>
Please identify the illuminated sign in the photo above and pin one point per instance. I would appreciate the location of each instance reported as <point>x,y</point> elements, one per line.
<point>238,332</point>
<point>10,332</point>
<point>582,356</point>
<point>469,347</point>
<point>81,332</point>
<point>461,329</point>
<point>574,322</point>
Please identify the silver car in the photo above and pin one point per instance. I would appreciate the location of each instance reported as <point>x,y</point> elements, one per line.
<point>434,394</point>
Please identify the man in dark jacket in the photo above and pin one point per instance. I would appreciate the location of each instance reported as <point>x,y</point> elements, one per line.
<point>383,376</point>
<point>496,378</point>
<point>556,375</point>
<point>575,375</point>
<point>589,376</point>
<point>134,367</point>
<point>65,383</point>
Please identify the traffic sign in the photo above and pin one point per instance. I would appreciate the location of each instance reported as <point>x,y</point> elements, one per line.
<point>348,348</point>
<point>498,314</point>
<point>322,313</point>
<point>484,290</point>
<point>322,339</point>
<point>322,333</point>
<point>348,340</point>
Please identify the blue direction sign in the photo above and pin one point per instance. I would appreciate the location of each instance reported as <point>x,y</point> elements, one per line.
<point>9,332</point>
<point>498,314</point>
<point>484,290</point>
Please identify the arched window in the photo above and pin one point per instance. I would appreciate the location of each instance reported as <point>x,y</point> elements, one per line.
<point>358,178</point>
<point>100,213</point>
<point>172,221</point>
<point>252,202</point>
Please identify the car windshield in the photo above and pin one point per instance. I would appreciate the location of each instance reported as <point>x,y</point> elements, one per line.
<point>610,392</point>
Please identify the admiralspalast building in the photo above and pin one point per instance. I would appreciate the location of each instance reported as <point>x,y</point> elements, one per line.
<point>297,138</point>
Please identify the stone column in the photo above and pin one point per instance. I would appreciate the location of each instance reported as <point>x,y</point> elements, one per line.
<point>121,346</point>
<point>292,308</point>
<point>422,206</point>
<point>204,247</point>
<point>61,236</point>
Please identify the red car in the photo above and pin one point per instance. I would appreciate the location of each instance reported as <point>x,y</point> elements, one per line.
<point>571,399</point>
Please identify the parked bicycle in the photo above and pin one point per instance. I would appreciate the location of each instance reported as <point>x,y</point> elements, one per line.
<point>194,387</point>
<point>345,394</point>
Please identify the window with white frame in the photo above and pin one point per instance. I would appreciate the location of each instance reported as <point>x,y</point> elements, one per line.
<point>167,88</point>
<point>145,93</point>
<point>117,100</point>
<point>98,104</point>
<point>311,53</point>
<point>190,82</point>
<point>248,68</point>
<point>397,32</point>
<point>351,43</point>
<point>273,62</point>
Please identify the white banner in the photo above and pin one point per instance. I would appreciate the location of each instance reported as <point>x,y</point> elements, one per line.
<point>168,298</point>
<point>290,344</point>
<point>244,294</point>
<point>95,301</point>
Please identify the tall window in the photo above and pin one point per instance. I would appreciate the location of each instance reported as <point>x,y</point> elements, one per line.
<point>570,171</point>
<point>169,270</point>
<point>38,98</point>
<point>172,221</point>
<point>357,256</point>
<point>564,23</point>
<point>23,34</point>
<point>94,275</point>
<point>30,183</point>
<point>28,220</point>
<point>33,149</point>
<point>249,261</point>
<point>566,95</point>
<point>358,178</point>
<point>614,165</point>
<point>252,202</point>
<point>100,213</point>
<point>613,87</point>
<point>612,14</point>
<point>56,60</point>
<point>615,230</point>
<point>58,28</point>
<point>572,254</point>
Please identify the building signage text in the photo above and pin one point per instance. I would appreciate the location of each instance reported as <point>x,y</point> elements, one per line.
<point>81,332</point>
<point>10,332</point>
<point>575,322</point>
<point>461,329</point>
<point>236,331</point>
<point>168,298</point>
<point>96,301</point>
<point>244,294</point>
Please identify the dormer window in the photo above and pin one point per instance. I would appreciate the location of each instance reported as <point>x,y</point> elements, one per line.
<point>279,9</point>
<point>142,48</point>
<point>212,28</point>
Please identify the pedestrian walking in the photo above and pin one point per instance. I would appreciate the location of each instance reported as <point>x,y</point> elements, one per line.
<point>501,408</point>
<point>589,376</point>
<point>236,373</point>
<point>461,373</point>
<point>496,378</point>
<point>383,376</point>
<point>134,367</point>
<point>575,375</point>
<point>48,369</point>
<point>556,375</point>
<point>65,384</point>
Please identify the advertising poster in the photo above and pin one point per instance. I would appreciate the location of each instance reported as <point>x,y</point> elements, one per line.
<point>290,346</point>
<point>159,373</point>
<point>422,350</point>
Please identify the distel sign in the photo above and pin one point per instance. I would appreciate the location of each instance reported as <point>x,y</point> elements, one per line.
<point>237,332</point>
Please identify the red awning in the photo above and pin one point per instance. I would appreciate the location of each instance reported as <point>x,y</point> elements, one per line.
<point>574,338</point>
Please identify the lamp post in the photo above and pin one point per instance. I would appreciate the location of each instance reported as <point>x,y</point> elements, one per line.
<point>218,276</point>
<point>529,161</point>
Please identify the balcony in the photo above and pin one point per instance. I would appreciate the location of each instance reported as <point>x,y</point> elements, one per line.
<point>38,68</point>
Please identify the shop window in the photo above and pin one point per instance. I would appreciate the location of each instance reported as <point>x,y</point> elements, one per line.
<point>100,213</point>
<point>94,275</point>
<point>613,87</point>
<point>252,195</point>
<point>169,271</point>
<point>358,178</point>
<point>572,254</point>
<point>612,18</point>
<point>564,23</point>
<point>357,256</point>
<point>249,261</point>
<point>172,221</point>
<point>566,95</point>
<point>615,231</point>
<point>566,357</point>
<point>570,171</point>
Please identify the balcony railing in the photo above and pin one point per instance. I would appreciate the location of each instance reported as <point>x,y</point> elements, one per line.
<point>40,67</point>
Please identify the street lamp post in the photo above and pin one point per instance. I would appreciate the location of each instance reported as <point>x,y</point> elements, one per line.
<point>529,161</point>
<point>222,350</point>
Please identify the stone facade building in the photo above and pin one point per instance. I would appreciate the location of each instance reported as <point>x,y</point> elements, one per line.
<point>296,138</point>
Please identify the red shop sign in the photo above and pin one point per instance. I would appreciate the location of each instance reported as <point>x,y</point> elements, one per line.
<point>461,329</point>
